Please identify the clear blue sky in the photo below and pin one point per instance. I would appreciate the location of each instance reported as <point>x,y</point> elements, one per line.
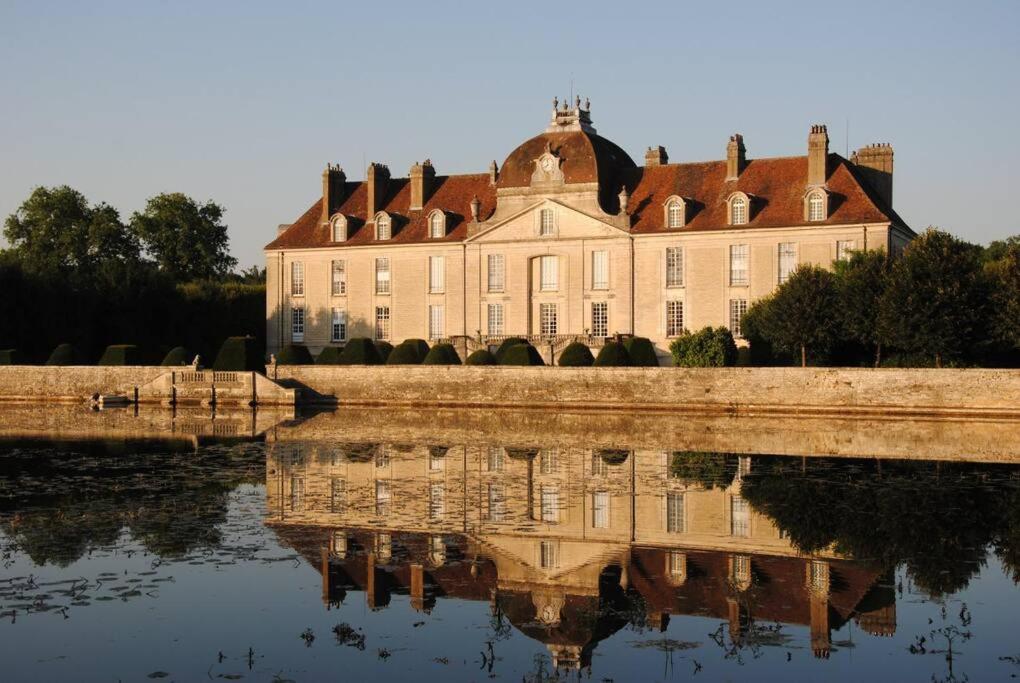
<point>244,103</point>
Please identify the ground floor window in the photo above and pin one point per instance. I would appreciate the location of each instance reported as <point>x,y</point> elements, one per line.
<point>297,324</point>
<point>674,318</point>
<point>547,319</point>
<point>600,319</point>
<point>382,322</point>
<point>738,307</point>
<point>550,504</point>
<point>436,322</point>
<point>675,520</point>
<point>495,319</point>
<point>339,326</point>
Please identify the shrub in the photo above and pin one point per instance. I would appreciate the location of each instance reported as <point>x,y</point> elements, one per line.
<point>576,355</point>
<point>239,353</point>
<point>481,357</point>
<point>294,354</point>
<point>420,345</point>
<point>613,456</point>
<point>11,357</point>
<point>442,354</point>
<point>121,354</point>
<point>507,343</point>
<point>361,351</point>
<point>612,354</point>
<point>408,353</point>
<point>384,348</point>
<point>178,355</point>
<point>641,352</point>
<point>65,354</point>
<point>329,355</point>
<point>521,354</point>
<point>707,348</point>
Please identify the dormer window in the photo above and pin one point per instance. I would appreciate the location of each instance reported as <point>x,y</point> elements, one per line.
<point>338,226</point>
<point>437,225</point>
<point>739,208</point>
<point>546,222</point>
<point>383,226</point>
<point>675,212</point>
<point>816,206</point>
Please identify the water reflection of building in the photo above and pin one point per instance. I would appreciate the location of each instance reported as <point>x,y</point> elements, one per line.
<point>567,544</point>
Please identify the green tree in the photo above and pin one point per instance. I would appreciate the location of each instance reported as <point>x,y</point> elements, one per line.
<point>1005,273</point>
<point>936,301</point>
<point>709,347</point>
<point>57,229</point>
<point>861,282</point>
<point>187,240</point>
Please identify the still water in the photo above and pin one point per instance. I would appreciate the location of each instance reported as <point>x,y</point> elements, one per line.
<point>313,550</point>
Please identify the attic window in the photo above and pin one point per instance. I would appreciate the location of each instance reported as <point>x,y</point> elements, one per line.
<point>675,217</point>
<point>816,207</point>
<point>437,225</point>
<point>738,209</point>
<point>547,222</point>
<point>338,227</point>
<point>383,226</point>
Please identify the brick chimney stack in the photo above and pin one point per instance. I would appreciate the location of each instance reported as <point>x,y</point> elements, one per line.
<point>333,186</point>
<point>656,156</point>
<point>377,179</point>
<point>817,156</point>
<point>422,177</point>
<point>736,156</point>
<point>875,163</point>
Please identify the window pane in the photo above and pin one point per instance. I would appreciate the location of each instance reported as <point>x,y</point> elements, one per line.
<point>547,222</point>
<point>674,318</point>
<point>740,517</point>
<point>675,520</point>
<point>337,495</point>
<point>550,504</point>
<point>382,322</point>
<point>738,264</point>
<point>339,277</point>
<point>297,324</point>
<point>436,226</point>
<point>382,228</point>
<point>382,276</point>
<point>547,319</point>
<point>495,319</point>
<point>382,498</point>
<point>496,272</point>
<point>297,278</point>
<point>676,215</point>
<point>297,494</point>
<point>600,270</point>
<point>547,555</point>
<point>437,501</point>
<point>436,322</point>
<point>437,274</point>
<point>339,325</point>
<point>549,273</point>
<point>843,249</point>
<point>737,309</point>
<point>787,260</point>
<point>496,510</point>
<point>600,510</point>
<point>600,319</point>
<point>674,267</point>
<point>816,207</point>
<point>495,459</point>
<point>738,211</point>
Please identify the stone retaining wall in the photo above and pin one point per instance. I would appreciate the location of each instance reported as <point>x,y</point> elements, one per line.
<point>71,383</point>
<point>835,391</point>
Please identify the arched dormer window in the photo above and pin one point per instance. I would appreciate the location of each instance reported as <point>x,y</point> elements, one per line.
<point>338,228</point>
<point>676,212</point>
<point>738,208</point>
<point>816,205</point>
<point>437,225</point>
<point>383,226</point>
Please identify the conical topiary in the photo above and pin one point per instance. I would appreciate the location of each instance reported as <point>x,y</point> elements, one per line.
<point>239,353</point>
<point>330,355</point>
<point>521,354</point>
<point>176,356</point>
<point>405,354</point>
<point>442,354</point>
<point>641,352</point>
<point>420,345</point>
<point>576,355</point>
<point>481,357</point>
<point>507,343</point>
<point>612,354</point>
<point>385,349</point>
<point>361,351</point>
<point>64,354</point>
<point>294,354</point>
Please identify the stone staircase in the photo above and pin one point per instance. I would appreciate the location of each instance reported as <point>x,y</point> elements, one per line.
<point>215,387</point>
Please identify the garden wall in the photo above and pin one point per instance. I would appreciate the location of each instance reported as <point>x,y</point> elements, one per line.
<point>71,383</point>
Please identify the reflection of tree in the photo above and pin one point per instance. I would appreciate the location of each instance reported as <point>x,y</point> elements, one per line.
<point>710,470</point>
<point>936,518</point>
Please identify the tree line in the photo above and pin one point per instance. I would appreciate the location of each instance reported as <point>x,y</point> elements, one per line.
<point>77,272</point>
<point>942,302</point>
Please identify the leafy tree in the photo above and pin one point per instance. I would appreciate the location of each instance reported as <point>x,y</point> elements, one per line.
<point>861,282</point>
<point>1005,272</point>
<point>187,240</point>
<point>56,229</point>
<point>936,301</point>
<point>707,348</point>
<point>998,248</point>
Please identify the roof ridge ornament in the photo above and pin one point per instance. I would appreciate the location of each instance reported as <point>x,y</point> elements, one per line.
<point>567,119</point>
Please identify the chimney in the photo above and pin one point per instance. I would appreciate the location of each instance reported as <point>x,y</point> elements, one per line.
<point>493,172</point>
<point>817,156</point>
<point>422,176</point>
<point>656,156</point>
<point>875,164</point>
<point>333,186</point>
<point>377,179</point>
<point>282,228</point>
<point>736,156</point>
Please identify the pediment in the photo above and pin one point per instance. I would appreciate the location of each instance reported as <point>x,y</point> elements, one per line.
<point>570,223</point>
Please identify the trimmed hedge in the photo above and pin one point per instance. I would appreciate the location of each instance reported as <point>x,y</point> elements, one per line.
<point>520,354</point>
<point>612,355</point>
<point>239,353</point>
<point>121,354</point>
<point>64,354</point>
<point>642,352</point>
<point>384,348</point>
<point>420,345</point>
<point>178,355</point>
<point>709,347</point>
<point>442,354</point>
<point>294,354</point>
<point>576,355</point>
<point>361,351</point>
<point>613,456</point>
<point>507,343</point>
<point>11,357</point>
<point>407,353</point>
<point>329,355</point>
<point>481,357</point>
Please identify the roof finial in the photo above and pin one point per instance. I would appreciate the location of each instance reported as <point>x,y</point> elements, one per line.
<point>587,104</point>
<point>577,102</point>
<point>556,103</point>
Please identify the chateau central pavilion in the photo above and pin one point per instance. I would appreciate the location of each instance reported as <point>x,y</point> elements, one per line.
<point>569,238</point>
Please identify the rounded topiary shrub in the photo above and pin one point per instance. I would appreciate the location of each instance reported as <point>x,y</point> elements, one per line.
<point>442,354</point>
<point>406,354</point>
<point>576,355</point>
<point>507,343</point>
<point>710,347</point>
<point>239,353</point>
<point>481,357</point>
<point>612,355</point>
<point>642,352</point>
<point>178,355</point>
<point>121,354</point>
<point>65,354</point>
<point>420,345</point>
<point>294,354</point>
<point>613,456</point>
<point>11,357</point>
<point>385,349</point>
<point>330,355</point>
<point>361,351</point>
<point>521,354</point>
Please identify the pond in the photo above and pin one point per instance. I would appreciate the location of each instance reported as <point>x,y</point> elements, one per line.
<point>308,548</point>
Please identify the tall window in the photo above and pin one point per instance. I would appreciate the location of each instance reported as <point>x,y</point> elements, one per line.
<point>740,517</point>
<point>675,521</point>
<point>738,211</point>
<point>547,319</point>
<point>741,570</point>
<point>339,229</point>
<point>739,264</point>
<point>382,498</point>
<point>338,544</point>
<point>496,495</point>
<point>548,555</point>
<point>337,494</point>
<point>549,273</point>
<point>297,324</point>
<point>436,330</point>
<point>546,222</point>
<point>437,225</point>
<point>674,318</point>
<point>382,322</point>
<point>297,278</point>
<point>600,270</point>
<point>816,207</point>
<point>738,307</point>
<point>437,500</point>
<point>297,494</point>
<point>495,460</point>
<point>843,249</point>
<point>338,277</point>
<point>495,316</point>
<point>550,504</point>
<point>382,276</point>
<point>675,215</point>
<point>383,227</point>
<point>787,260</point>
<point>674,266</point>
<point>437,274</point>
<point>676,566</point>
<point>599,468</point>
<point>600,319</point>
<point>550,462</point>
<point>600,510</point>
<point>497,272</point>
<point>338,328</point>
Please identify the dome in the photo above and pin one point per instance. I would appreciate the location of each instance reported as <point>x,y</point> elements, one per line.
<point>584,158</point>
